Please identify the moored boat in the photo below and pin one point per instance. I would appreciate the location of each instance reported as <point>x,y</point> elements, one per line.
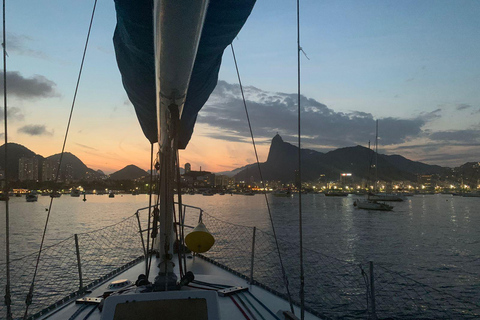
<point>31,197</point>
<point>332,193</point>
<point>372,205</point>
<point>386,197</point>
<point>282,193</point>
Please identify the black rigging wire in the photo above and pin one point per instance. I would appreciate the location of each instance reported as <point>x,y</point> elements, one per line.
<point>263,184</point>
<point>29,298</point>
<point>8,300</point>
<point>300,222</point>
<point>149,209</point>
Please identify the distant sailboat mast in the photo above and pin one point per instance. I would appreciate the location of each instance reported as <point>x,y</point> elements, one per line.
<point>376,157</point>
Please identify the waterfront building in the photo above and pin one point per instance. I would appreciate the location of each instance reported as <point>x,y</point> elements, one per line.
<point>48,172</point>
<point>28,169</point>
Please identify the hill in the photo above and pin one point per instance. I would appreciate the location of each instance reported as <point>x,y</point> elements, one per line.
<point>72,164</point>
<point>282,162</point>
<point>15,152</point>
<point>130,172</point>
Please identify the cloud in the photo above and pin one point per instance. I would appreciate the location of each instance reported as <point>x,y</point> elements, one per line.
<point>86,147</point>
<point>321,126</point>
<point>28,88</point>
<point>469,136</point>
<point>463,106</point>
<point>35,130</point>
<point>432,115</point>
<point>19,44</point>
<point>14,113</point>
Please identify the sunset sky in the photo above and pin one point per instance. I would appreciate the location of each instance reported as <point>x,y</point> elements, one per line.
<point>414,65</point>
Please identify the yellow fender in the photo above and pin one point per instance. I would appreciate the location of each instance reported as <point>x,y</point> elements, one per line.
<point>199,240</point>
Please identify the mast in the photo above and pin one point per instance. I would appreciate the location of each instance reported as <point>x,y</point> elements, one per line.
<point>300,224</point>
<point>376,157</point>
<point>177,29</point>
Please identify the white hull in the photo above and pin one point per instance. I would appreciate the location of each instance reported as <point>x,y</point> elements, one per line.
<point>372,205</point>
<point>386,197</point>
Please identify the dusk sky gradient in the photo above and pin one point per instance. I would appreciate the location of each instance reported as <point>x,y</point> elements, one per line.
<point>413,65</point>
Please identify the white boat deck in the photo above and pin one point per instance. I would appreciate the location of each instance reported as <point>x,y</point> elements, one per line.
<point>203,271</point>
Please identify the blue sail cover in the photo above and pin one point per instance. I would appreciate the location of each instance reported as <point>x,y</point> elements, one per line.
<point>133,42</point>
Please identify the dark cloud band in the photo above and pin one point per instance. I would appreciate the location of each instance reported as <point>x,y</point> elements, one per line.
<point>28,88</point>
<point>35,130</point>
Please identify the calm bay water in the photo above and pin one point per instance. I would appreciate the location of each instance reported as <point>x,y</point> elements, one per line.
<point>435,239</point>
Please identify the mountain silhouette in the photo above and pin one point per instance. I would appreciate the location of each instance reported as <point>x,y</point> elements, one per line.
<point>130,172</point>
<point>282,162</point>
<point>15,152</point>
<point>78,168</point>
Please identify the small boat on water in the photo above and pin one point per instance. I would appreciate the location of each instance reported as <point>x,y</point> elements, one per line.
<point>55,194</point>
<point>332,193</point>
<point>372,205</point>
<point>472,194</point>
<point>386,197</point>
<point>282,193</point>
<point>31,197</point>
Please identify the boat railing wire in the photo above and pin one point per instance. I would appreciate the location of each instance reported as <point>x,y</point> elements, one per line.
<point>334,288</point>
<point>102,252</point>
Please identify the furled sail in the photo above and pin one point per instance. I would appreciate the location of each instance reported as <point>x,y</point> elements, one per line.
<point>134,49</point>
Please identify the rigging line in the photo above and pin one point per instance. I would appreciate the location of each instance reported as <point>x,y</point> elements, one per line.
<point>263,183</point>
<point>250,312</point>
<point>157,203</point>
<point>251,304</point>
<point>28,300</point>
<point>180,247</point>
<point>8,300</point>
<point>263,305</point>
<point>239,308</point>
<point>149,209</point>
<point>90,313</point>
<point>300,222</point>
<point>150,249</point>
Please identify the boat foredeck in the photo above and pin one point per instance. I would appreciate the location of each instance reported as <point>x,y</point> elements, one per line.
<point>204,271</point>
